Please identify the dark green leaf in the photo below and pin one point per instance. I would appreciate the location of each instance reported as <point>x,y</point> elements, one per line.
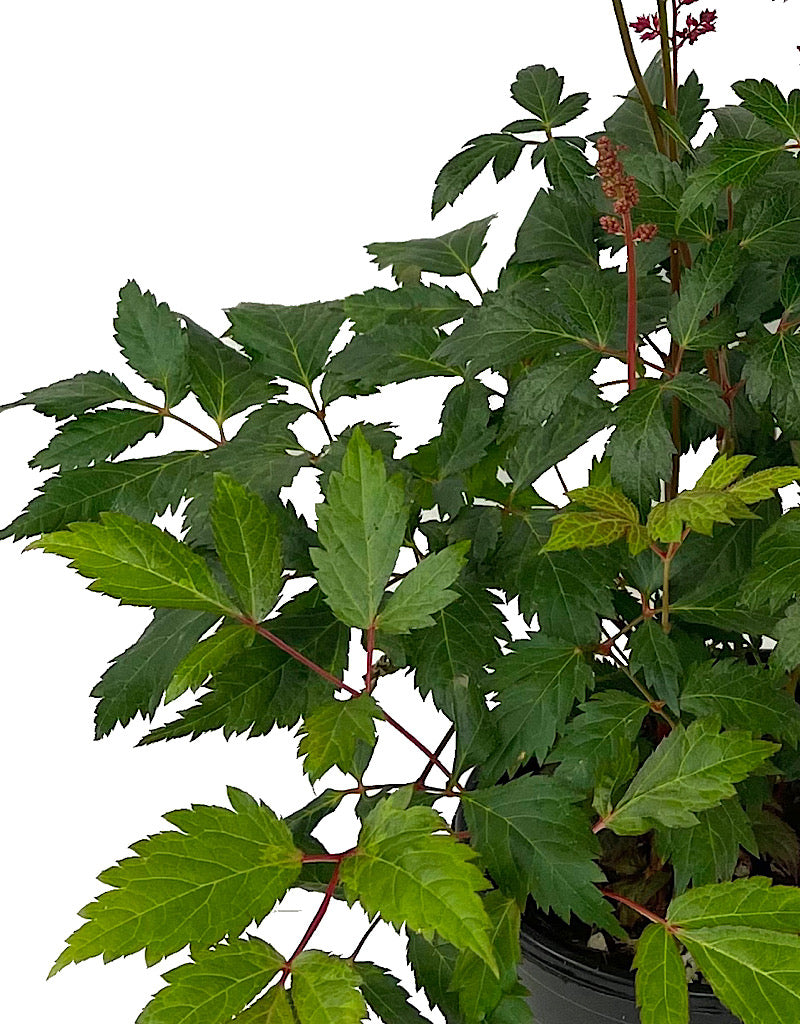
<point>207,658</point>
<point>324,990</point>
<point>735,163</point>
<point>223,380</point>
<point>704,286</point>
<point>152,341</point>
<point>385,996</point>
<point>460,171</point>
<point>97,436</point>
<point>332,732</point>
<point>771,229</point>
<point>535,839</point>
<point>424,591</point>
<point>691,105</point>
<point>775,576</point>
<point>77,394</point>
<point>661,990</point>
<point>629,125</point>
<point>652,650</point>
<point>448,255</point>
<point>433,963</point>
<point>765,100</point>
<point>557,227</point>
<point>772,372</point>
<point>538,89</point>
<point>545,389</point>
<point>427,305</point>
<point>220,870</point>
<point>718,604</point>
<point>708,852</point>
<point>568,169</point>
<point>479,990</point>
<point>790,289</point>
<point>640,449</point>
<point>786,653</point>
<point>466,432</point>
<point>385,355</point>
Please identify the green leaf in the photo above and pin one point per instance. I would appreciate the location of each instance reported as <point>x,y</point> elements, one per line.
<point>221,870</point>
<point>249,545</point>
<point>700,394</point>
<point>607,721</point>
<point>535,839</point>
<point>208,657</point>
<point>75,395</point>
<point>385,996</point>
<point>152,341</point>
<point>418,879</point>
<point>360,527</point>
<point>691,104</point>
<point>324,990</point>
<point>433,963</point>
<point>223,380</point>
<point>775,576</point>
<point>461,170</point>
<point>709,852</point>
<point>765,100</point>
<point>136,680</point>
<point>743,937</point>
<point>761,485</point>
<point>331,734</point>
<point>744,696</point>
<point>567,168</point>
<point>612,516</point>
<point>629,124</point>
<point>140,487</point>
<point>790,289</point>
<point>786,653</point>
<point>772,372</point>
<point>466,430</point>
<point>427,305</point>
<point>723,471</point>
<point>652,650</point>
<point>662,994</point>
<point>704,286</point>
<point>557,226</point>
<point>537,685</point>
<point>138,564</point>
<point>691,770</point>
<point>216,985</point>
<point>97,436</point>
<point>699,510</point>
<point>640,449</point>
<point>538,89</point>
<point>272,1008</point>
<point>424,591</point>
<point>448,255</point>
<point>544,390</point>
<point>290,342</point>
<point>661,183</point>
<point>735,162</point>
<point>479,990</point>
<point>772,224</point>
<point>716,604</point>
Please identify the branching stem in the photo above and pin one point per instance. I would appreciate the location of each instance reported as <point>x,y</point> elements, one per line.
<point>326,900</point>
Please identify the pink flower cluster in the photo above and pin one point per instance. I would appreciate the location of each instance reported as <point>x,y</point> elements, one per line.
<point>647,25</point>
<point>621,188</point>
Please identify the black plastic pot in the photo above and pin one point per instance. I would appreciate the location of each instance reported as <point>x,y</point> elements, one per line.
<point>572,986</point>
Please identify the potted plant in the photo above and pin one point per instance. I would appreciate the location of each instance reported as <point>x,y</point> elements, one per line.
<point>627,775</point>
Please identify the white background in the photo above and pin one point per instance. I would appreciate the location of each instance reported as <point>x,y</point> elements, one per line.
<point>220,153</point>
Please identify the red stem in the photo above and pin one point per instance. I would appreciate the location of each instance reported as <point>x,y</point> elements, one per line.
<point>630,245</point>
<point>326,900</point>
<point>635,906</point>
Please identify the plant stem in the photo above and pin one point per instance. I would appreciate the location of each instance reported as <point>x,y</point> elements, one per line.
<point>373,925</point>
<point>326,900</point>
<point>631,339</point>
<point>419,784</point>
<point>320,414</point>
<point>665,623</point>
<point>641,86</point>
<point>655,705</point>
<point>635,906</point>
<point>370,652</point>
<point>167,413</point>
<point>478,288</point>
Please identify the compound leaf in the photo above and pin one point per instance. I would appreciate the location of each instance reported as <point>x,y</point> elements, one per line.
<point>448,255</point>
<point>331,734</point>
<point>75,395</point>
<point>708,852</point>
<point>207,657</point>
<point>765,100</point>
<point>385,996</point>
<point>97,436</point>
<point>775,575</point>
<point>223,380</point>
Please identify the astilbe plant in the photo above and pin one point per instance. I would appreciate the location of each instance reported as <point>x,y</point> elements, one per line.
<point>633,762</point>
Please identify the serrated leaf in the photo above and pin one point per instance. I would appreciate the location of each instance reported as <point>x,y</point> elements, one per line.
<point>535,839</point>
<point>537,685</point>
<point>461,170</point>
<point>662,994</point>
<point>188,886</point>
<point>589,301</point>
<point>289,342</point>
<point>424,591</point>
<point>544,389</point>
<point>775,576</point>
<point>75,395</point>
<point>765,100</point>
<point>698,509</point>
<point>612,516</point>
<point>743,937</point>
<point>786,653</point>
<point>248,543</point>
<point>690,770</point>
<point>629,124</point>
<point>466,430</point>
<point>97,436</point>
<point>557,227</point>
<point>772,372</point>
<point>744,697</point>
<point>385,996</point>
<point>151,339</point>
<point>360,527</point>
<point>652,650</point>
<point>136,680</point>
<point>661,182</point>
<point>735,162</point>
<point>332,732</point>
<point>272,1008</point>
<point>479,990</point>
<point>138,564</point>
<point>606,721</point>
<point>716,604</point>
<point>772,225</point>
<point>216,985</point>
<point>433,963</point>
<point>790,289</point>
<point>709,851</point>
<point>640,450</point>
<point>538,89</point>
<point>223,380</point>
<point>412,877</point>
<point>324,990</point>
<point>208,657</point>
<point>427,305</point>
<point>723,471</point>
<point>705,285</point>
<point>700,394</point>
<point>567,168</point>
<point>448,255</point>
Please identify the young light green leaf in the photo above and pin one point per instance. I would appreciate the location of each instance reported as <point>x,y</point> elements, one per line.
<point>536,840</point>
<point>708,852</point>
<point>248,544</point>
<point>537,685</point>
<point>97,436</point>
<point>612,516</point>
<point>324,990</point>
<point>139,564</point>
<point>723,471</point>
<point>691,770</point>
<point>220,871</point>
<point>765,100</point>
<point>360,527</point>
<point>461,170</point>
<point>385,996</point>
<point>775,576</point>
<point>705,285</point>
<point>217,984</point>
<point>662,994</point>
<point>151,339</point>
<point>289,342</point>
<point>207,657</point>
<point>424,591</point>
<point>448,255</point>
<point>75,395</point>
<point>332,732</point>
<point>652,650</point>
<point>419,879</point>
<point>223,380</point>
<point>699,510</point>
<point>761,486</point>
